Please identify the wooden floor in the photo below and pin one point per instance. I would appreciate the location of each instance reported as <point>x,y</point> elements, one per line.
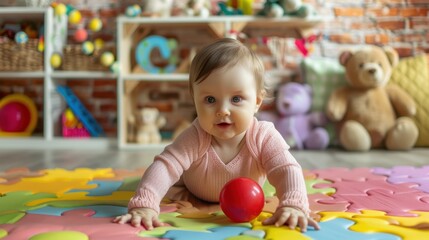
<point>70,159</point>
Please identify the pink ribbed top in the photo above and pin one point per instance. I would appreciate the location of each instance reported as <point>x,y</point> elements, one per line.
<point>265,154</point>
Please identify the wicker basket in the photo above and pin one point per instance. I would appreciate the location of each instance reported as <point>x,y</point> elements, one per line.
<point>20,57</point>
<point>75,59</point>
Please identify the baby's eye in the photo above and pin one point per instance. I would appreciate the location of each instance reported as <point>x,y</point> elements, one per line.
<point>236,99</point>
<point>210,99</point>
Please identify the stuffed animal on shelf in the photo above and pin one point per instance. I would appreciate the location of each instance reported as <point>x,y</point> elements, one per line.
<point>278,8</point>
<point>158,8</point>
<point>300,129</point>
<point>147,122</point>
<point>200,8</point>
<point>370,113</point>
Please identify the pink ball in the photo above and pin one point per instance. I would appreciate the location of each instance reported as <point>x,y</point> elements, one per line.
<point>14,117</point>
<point>80,35</point>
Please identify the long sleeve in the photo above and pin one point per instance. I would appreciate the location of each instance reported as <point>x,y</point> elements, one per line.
<point>166,170</point>
<point>283,171</point>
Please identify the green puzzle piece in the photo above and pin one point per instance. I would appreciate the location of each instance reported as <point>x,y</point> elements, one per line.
<point>3,233</point>
<point>309,183</point>
<point>17,201</point>
<point>10,218</point>
<point>270,191</point>
<point>63,235</point>
<point>129,184</point>
<point>192,224</point>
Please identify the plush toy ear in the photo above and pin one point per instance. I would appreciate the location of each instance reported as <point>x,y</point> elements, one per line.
<point>345,56</point>
<point>392,55</point>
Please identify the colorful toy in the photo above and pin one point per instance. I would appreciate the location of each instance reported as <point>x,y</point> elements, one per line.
<point>107,59</point>
<point>71,126</point>
<point>298,127</point>
<point>41,44</point>
<point>56,60</point>
<point>246,6</point>
<point>278,8</point>
<point>224,9</point>
<point>80,35</point>
<point>88,47</point>
<point>242,199</point>
<point>200,8</point>
<point>369,112</point>
<point>166,48</point>
<point>98,43</point>
<point>160,8</point>
<point>21,37</point>
<point>114,68</point>
<point>80,111</point>
<point>133,11</point>
<point>75,17</point>
<point>18,115</point>
<point>60,9</point>
<point>95,24</point>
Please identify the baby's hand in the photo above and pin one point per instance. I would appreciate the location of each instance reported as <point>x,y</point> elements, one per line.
<point>292,217</point>
<point>145,217</point>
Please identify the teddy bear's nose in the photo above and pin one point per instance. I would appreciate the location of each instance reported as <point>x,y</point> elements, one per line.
<point>372,70</point>
<point>286,104</point>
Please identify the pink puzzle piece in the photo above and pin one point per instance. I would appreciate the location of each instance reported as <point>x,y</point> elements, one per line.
<point>79,220</point>
<point>361,188</point>
<point>407,174</point>
<point>346,174</point>
<point>386,201</point>
<point>316,205</point>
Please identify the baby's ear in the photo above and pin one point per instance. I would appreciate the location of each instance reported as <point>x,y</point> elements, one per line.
<point>259,99</point>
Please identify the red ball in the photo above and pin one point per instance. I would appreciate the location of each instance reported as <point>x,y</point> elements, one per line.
<point>242,199</point>
<point>14,117</point>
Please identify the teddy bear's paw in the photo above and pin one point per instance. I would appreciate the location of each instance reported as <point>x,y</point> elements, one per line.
<point>318,139</point>
<point>354,137</point>
<point>403,135</point>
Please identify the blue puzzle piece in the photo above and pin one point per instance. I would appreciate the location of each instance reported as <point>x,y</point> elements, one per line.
<point>103,188</point>
<point>218,233</point>
<point>338,229</point>
<point>100,210</point>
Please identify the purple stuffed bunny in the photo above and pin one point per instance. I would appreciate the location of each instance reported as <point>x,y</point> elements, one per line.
<point>299,128</point>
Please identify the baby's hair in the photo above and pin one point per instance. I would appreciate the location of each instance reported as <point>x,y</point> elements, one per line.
<point>225,52</point>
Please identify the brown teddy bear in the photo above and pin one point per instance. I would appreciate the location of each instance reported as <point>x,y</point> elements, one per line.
<point>370,113</point>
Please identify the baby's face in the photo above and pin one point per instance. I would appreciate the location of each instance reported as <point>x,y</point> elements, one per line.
<point>226,102</point>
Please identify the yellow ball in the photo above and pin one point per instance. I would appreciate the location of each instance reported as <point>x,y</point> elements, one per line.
<point>107,59</point>
<point>75,17</point>
<point>56,60</point>
<point>99,43</point>
<point>95,24</point>
<point>60,9</point>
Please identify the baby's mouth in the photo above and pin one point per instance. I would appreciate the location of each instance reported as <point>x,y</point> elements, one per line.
<point>224,124</point>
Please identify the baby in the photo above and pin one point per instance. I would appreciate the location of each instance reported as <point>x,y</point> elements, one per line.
<point>225,141</point>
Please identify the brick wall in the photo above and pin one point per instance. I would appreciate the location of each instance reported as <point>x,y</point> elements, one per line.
<point>402,24</point>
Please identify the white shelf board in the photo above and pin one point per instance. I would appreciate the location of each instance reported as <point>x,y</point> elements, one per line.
<point>22,13</point>
<point>57,143</point>
<point>35,74</point>
<point>175,77</point>
<point>310,20</point>
<point>83,75</point>
<point>153,147</point>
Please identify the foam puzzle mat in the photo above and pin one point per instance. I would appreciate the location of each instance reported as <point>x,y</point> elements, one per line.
<point>78,204</point>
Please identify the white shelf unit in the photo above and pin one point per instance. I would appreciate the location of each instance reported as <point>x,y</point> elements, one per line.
<point>50,79</point>
<point>219,26</point>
